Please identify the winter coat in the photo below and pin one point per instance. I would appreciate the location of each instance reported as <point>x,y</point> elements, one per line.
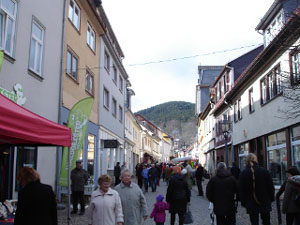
<point>145,173</point>
<point>288,205</point>
<point>159,213</point>
<point>117,171</point>
<point>222,190</point>
<point>178,194</point>
<point>79,178</point>
<point>199,173</point>
<point>153,173</point>
<point>235,171</point>
<point>264,190</point>
<point>133,203</point>
<point>36,205</point>
<point>168,173</point>
<point>105,209</point>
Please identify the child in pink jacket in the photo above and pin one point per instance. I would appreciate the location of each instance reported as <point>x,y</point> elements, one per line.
<point>159,209</point>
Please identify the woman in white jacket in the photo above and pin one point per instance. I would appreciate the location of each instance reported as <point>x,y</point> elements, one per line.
<point>105,206</point>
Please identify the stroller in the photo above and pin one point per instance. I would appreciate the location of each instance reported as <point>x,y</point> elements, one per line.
<point>213,219</point>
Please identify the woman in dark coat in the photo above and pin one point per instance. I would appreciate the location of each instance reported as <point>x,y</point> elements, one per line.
<point>178,195</point>
<point>222,191</point>
<point>36,201</point>
<point>256,191</point>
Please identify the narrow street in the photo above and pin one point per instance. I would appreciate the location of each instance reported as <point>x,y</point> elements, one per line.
<point>199,209</point>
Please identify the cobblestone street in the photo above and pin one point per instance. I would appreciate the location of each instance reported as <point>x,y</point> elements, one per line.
<point>199,209</point>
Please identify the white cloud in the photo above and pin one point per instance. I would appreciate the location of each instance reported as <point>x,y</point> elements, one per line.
<point>167,29</point>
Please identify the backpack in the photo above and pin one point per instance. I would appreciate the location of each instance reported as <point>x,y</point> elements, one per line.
<point>297,198</point>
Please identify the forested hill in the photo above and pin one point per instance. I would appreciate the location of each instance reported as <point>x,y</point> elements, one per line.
<point>177,118</point>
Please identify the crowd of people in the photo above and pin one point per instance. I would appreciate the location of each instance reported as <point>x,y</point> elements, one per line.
<point>125,204</point>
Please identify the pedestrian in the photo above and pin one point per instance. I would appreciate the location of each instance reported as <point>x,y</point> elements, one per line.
<point>79,178</point>
<point>168,173</point>
<point>105,207</point>
<point>152,176</point>
<point>159,209</point>
<point>163,171</point>
<point>133,200</point>
<point>178,195</point>
<point>159,171</point>
<point>199,177</point>
<point>123,166</point>
<point>36,201</point>
<point>145,177</point>
<point>222,191</point>
<point>235,171</point>
<point>139,175</point>
<point>292,171</point>
<point>289,206</point>
<point>117,173</point>
<point>256,191</point>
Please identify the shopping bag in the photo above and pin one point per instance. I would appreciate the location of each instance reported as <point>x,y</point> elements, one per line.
<point>188,217</point>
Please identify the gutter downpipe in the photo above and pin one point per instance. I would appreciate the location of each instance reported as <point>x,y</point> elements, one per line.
<point>59,149</point>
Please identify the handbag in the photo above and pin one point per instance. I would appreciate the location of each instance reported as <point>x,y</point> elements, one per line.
<point>188,217</point>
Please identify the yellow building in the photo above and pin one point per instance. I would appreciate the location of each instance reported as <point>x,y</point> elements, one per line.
<point>80,76</point>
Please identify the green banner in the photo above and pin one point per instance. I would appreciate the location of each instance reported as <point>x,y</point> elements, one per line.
<point>78,121</point>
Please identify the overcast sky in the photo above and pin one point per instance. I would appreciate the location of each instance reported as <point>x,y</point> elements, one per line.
<point>162,30</point>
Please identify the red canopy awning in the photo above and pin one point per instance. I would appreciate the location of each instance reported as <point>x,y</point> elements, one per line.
<point>19,126</point>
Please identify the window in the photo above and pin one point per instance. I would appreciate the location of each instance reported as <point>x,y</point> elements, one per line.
<point>237,110</point>
<point>295,134</point>
<point>72,63</point>
<point>114,107</point>
<point>251,101</point>
<point>36,48</point>
<point>121,84</point>
<point>106,61</point>
<point>263,87</point>
<point>74,14</point>
<point>106,98</point>
<point>220,90</point>
<point>295,67</point>
<point>270,85</point>
<point>115,78</point>
<point>8,14</point>
<point>278,80</point>
<point>89,82</point>
<point>120,114</point>
<point>240,109</point>
<point>90,37</point>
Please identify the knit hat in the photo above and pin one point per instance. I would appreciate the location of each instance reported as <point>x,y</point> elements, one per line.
<point>159,198</point>
<point>293,171</point>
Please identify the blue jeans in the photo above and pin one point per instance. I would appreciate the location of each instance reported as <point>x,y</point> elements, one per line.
<point>146,184</point>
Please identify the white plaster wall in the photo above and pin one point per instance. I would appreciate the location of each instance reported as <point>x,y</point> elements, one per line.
<point>266,118</point>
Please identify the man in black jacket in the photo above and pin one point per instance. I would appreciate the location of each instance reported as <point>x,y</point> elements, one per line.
<point>256,191</point>
<point>199,176</point>
<point>152,176</point>
<point>222,191</point>
<point>117,173</point>
<point>79,178</point>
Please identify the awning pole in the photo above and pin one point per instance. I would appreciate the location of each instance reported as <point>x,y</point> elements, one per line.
<point>69,187</point>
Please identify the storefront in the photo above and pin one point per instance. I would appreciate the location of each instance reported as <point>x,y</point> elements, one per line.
<point>295,145</point>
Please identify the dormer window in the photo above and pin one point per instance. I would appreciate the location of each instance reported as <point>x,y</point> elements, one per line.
<point>274,28</point>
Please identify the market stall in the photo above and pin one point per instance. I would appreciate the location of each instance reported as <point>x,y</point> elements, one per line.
<point>21,127</point>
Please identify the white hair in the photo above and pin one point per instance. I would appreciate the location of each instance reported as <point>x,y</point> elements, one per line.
<point>125,171</point>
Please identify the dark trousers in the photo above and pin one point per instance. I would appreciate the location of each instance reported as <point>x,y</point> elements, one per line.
<point>117,180</point>
<point>160,223</point>
<point>146,181</point>
<point>140,182</point>
<point>265,217</point>
<point>199,185</point>
<point>226,220</point>
<point>290,217</point>
<point>77,197</point>
<point>181,218</point>
<point>152,182</point>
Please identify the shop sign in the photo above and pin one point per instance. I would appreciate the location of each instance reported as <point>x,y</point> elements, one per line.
<point>16,96</point>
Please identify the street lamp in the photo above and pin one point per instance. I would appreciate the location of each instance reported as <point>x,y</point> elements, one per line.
<point>225,128</point>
